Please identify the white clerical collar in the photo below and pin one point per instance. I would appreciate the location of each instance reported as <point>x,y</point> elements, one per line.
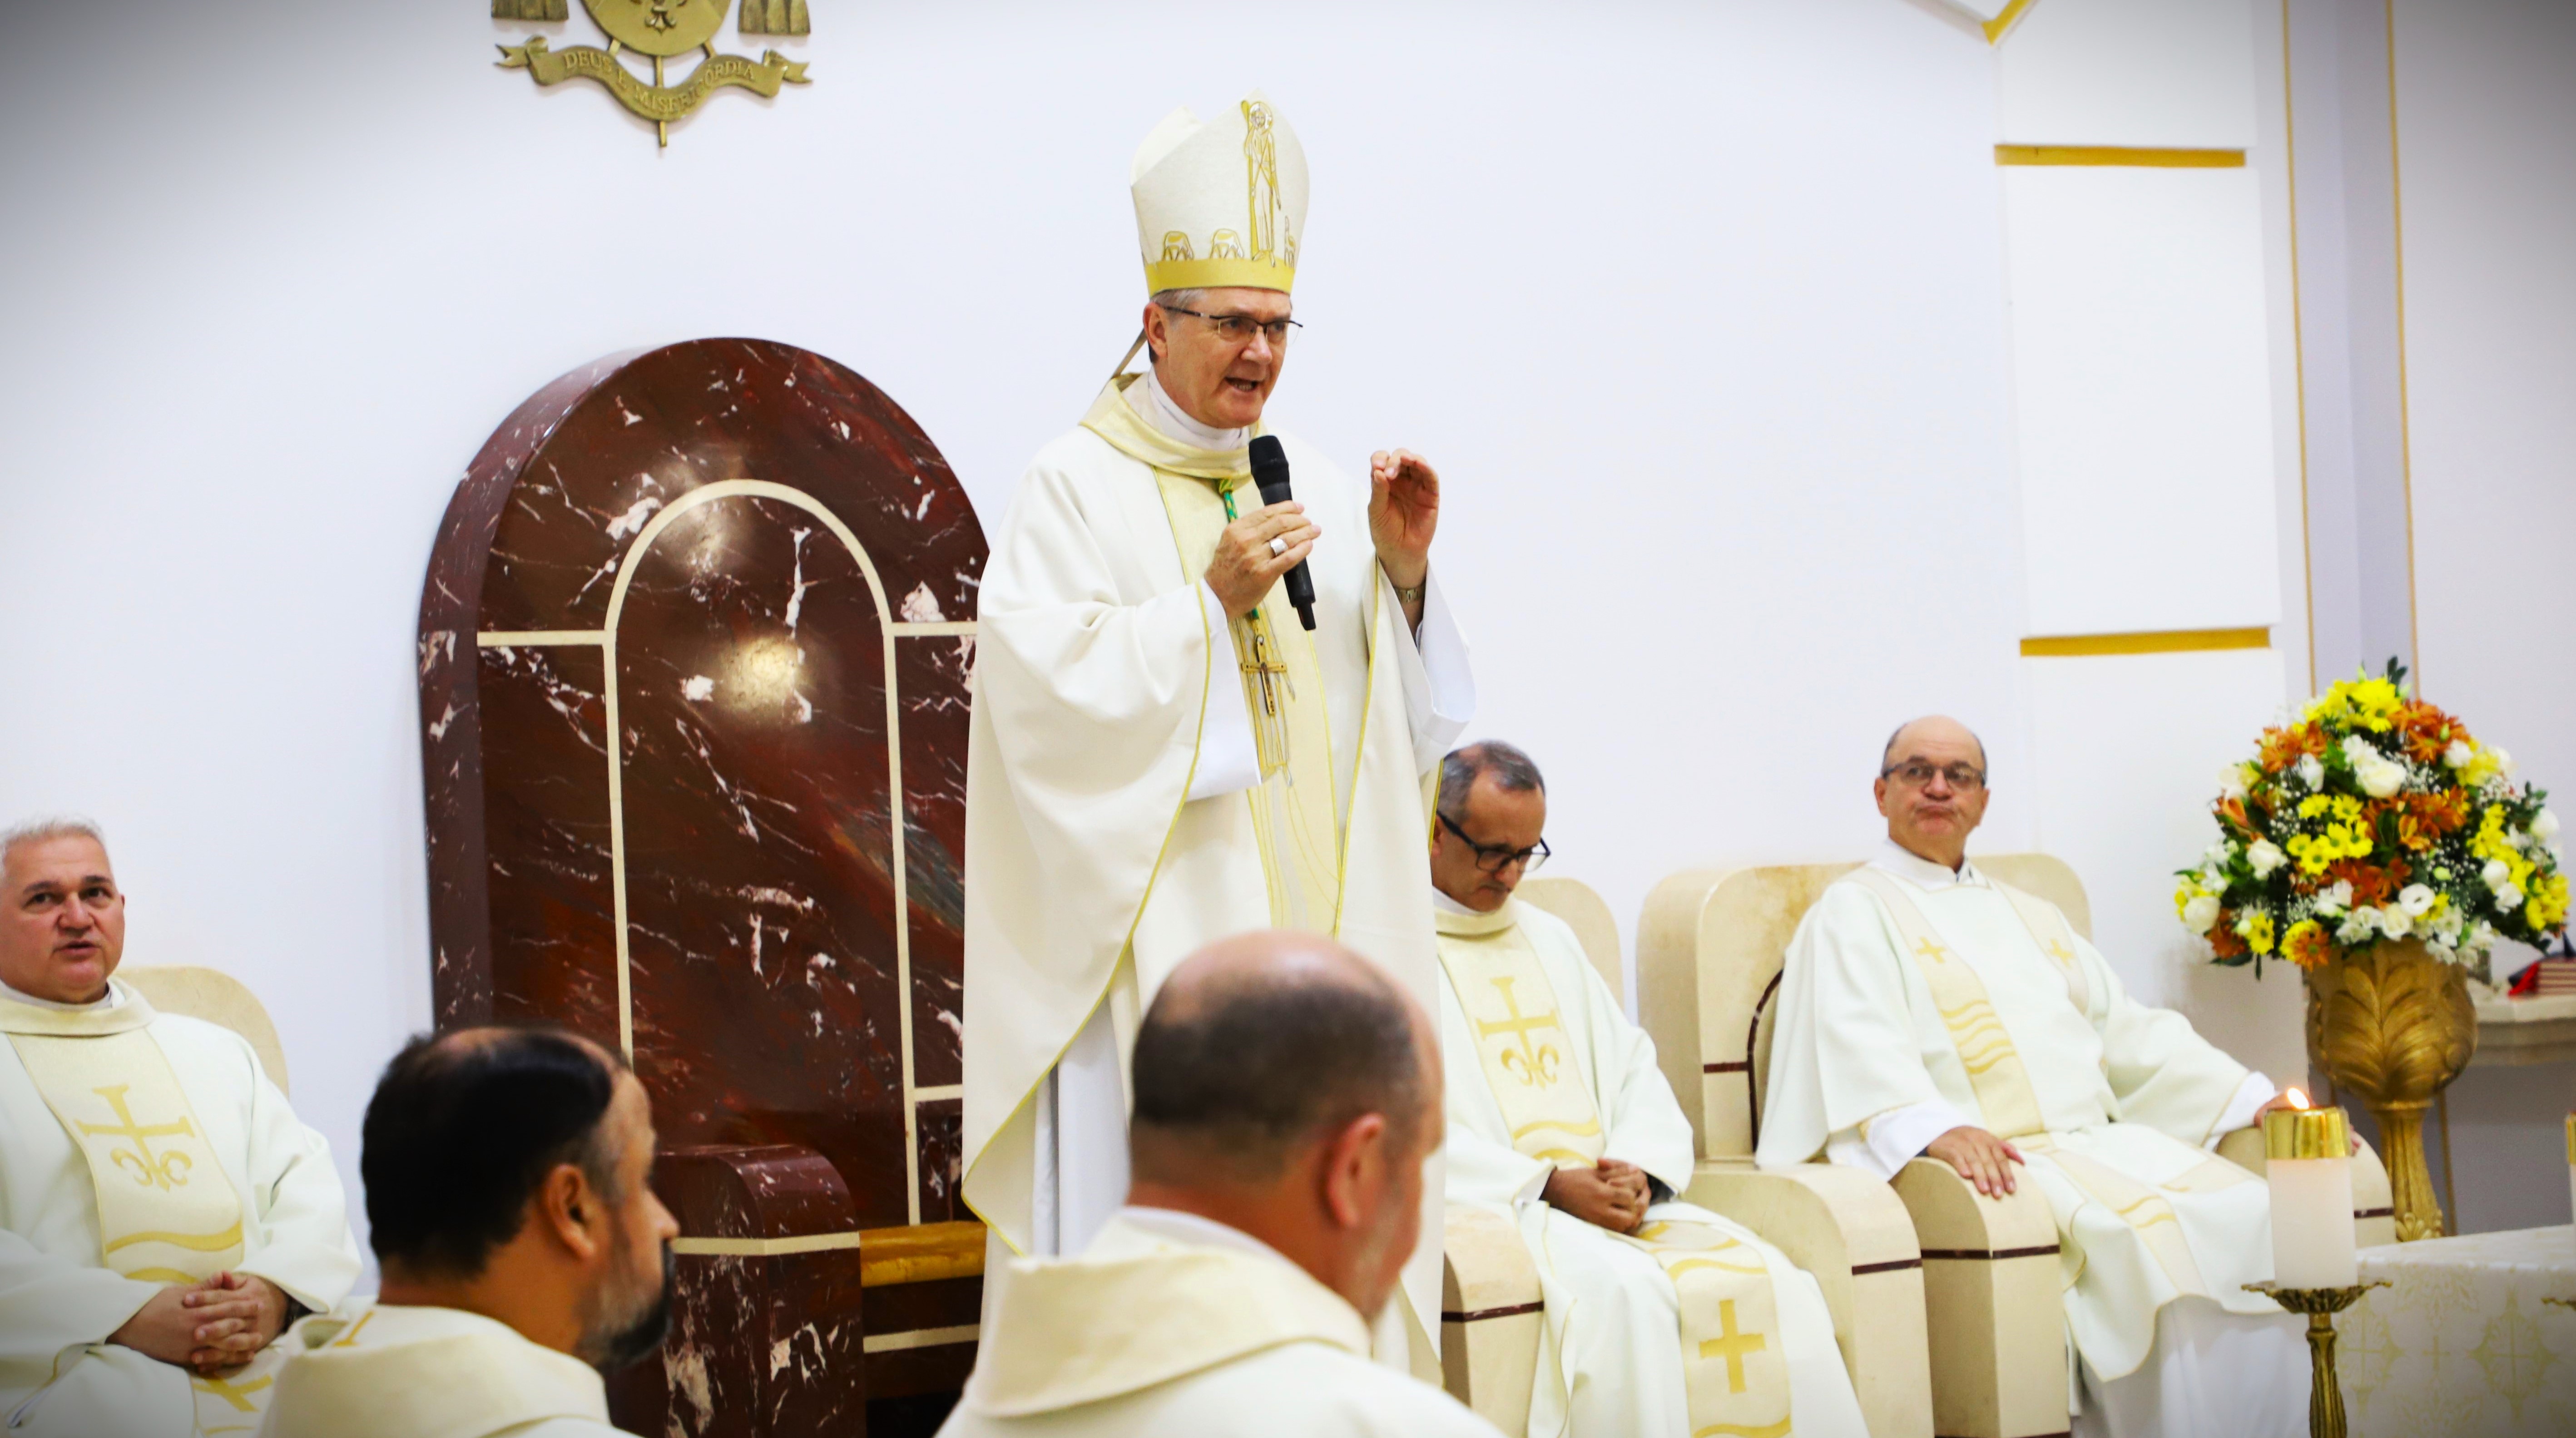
<point>1922,872</point>
<point>95,1006</point>
<point>1195,1231</point>
<point>1447,905</point>
<point>1157,408</point>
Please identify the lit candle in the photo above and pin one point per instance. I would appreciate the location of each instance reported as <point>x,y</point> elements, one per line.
<point>2307,1154</point>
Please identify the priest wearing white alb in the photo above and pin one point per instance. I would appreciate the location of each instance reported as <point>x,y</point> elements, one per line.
<point>1663,1319</point>
<point>1926,1009</point>
<point>163,1215</point>
<point>1287,1097</point>
<point>1163,753</point>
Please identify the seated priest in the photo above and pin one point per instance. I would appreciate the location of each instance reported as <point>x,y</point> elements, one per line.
<point>510,1204</point>
<point>163,1216</point>
<point>1663,1319</point>
<point>1287,1097</point>
<point>1928,1010</point>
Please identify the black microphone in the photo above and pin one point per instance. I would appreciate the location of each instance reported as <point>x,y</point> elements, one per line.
<point>1270,472</point>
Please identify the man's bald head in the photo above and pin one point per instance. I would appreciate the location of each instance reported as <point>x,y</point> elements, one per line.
<point>1931,728</point>
<point>1262,1043</point>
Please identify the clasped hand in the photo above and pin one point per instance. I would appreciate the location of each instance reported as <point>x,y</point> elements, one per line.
<point>1242,569</point>
<point>1611,1194</point>
<point>220,1323</point>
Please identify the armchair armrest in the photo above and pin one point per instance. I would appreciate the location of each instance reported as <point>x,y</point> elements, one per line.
<point>1850,1231</point>
<point>1490,1313</point>
<point>2374,1214</point>
<point>1991,1290</point>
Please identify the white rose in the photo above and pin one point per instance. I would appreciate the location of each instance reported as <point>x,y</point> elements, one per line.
<point>2231,782</point>
<point>2459,754</point>
<point>2545,826</point>
<point>2496,874</point>
<point>2219,853</point>
<point>2508,898</point>
<point>2200,912</point>
<point>2416,899</point>
<point>2357,750</point>
<point>2357,926</point>
<point>2336,899</point>
<point>2264,856</point>
<point>2312,771</point>
<point>2395,922</point>
<point>2379,777</point>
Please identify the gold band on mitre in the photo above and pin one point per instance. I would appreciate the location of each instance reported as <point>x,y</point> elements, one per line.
<point>1222,203</point>
<point>2296,1133</point>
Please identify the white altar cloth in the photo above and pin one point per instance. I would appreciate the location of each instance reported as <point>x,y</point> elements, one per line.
<point>2461,1343</point>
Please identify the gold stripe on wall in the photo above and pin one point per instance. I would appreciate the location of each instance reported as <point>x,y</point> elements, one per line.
<point>2120,156</point>
<point>2165,641</point>
<point>2405,412</point>
<point>2005,19</point>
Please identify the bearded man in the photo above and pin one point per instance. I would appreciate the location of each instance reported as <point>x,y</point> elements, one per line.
<point>1164,751</point>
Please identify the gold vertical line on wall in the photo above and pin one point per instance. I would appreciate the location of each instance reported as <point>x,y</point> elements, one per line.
<point>2298,343</point>
<point>2405,420</point>
<point>2006,18</point>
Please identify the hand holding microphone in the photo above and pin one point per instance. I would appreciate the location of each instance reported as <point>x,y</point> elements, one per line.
<point>1254,551</point>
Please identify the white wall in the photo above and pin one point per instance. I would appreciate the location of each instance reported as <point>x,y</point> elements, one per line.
<point>1697,307</point>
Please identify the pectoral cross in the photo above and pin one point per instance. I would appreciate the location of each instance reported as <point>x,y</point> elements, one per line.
<point>1932,951</point>
<point>1269,673</point>
<point>165,1170</point>
<point>1538,1062</point>
<point>1730,1345</point>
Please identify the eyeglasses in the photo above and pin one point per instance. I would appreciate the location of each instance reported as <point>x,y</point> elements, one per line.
<point>1494,858</point>
<point>1237,329</point>
<point>1917,773</point>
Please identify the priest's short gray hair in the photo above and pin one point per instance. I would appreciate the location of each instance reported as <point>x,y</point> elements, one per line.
<point>1510,767</point>
<point>1180,299</point>
<point>56,826</point>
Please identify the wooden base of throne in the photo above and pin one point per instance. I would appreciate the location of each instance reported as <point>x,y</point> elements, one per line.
<point>787,1318</point>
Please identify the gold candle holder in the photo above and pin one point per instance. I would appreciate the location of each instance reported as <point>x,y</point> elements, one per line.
<point>2325,1395</point>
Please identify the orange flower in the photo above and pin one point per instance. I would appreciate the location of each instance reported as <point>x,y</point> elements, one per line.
<point>2371,884</point>
<point>2231,812</point>
<point>2281,748</point>
<point>2412,833</point>
<point>2306,944</point>
<point>2440,813</point>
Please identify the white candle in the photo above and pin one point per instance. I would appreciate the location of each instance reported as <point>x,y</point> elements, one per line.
<point>2571,1162</point>
<point>2308,1158</point>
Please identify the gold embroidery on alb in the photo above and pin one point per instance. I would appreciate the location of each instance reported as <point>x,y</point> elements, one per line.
<point>1513,1010</point>
<point>1536,1063</point>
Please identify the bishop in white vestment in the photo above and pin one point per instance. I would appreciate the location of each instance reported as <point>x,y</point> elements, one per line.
<point>142,1155</point>
<point>1163,752</point>
<point>1926,1009</point>
<point>1664,1319</point>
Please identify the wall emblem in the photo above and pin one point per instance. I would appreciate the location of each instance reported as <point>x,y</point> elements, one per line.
<point>659,30</point>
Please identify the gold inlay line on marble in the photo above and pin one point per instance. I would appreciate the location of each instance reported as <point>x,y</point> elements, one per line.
<point>929,628</point>
<point>918,1338</point>
<point>2119,156</point>
<point>933,1093</point>
<point>2168,641</point>
<point>897,832</point>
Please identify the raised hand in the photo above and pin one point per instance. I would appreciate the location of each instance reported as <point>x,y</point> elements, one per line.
<point>1404,512</point>
<point>1243,567</point>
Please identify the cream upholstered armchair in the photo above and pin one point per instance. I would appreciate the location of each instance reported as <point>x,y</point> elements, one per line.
<point>1984,1280</point>
<point>218,998</point>
<point>1844,1227</point>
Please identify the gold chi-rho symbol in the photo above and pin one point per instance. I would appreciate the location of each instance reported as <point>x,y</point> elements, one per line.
<point>165,1171</point>
<point>1532,1063</point>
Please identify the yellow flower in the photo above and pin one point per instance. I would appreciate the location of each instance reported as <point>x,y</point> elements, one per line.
<point>2546,907</point>
<point>2305,944</point>
<point>2312,806</point>
<point>2257,930</point>
<point>2346,807</point>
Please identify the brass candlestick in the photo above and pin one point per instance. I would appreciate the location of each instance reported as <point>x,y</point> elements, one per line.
<point>2325,1395</point>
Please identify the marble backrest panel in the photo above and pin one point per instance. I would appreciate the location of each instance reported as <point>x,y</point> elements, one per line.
<point>756,573</point>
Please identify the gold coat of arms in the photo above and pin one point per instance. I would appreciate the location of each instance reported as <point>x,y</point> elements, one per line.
<point>659,30</point>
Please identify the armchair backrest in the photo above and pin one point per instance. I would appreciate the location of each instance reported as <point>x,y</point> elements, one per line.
<point>1710,945</point>
<point>218,998</point>
<point>1588,914</point>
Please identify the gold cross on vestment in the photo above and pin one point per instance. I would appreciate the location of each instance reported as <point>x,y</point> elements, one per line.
<point>1730,1345</point>
<point>149,1168</point>
<point>1537,1061</point>
<point>1932,951</point>
<point>238,1397</point>
<point>2057,950</point>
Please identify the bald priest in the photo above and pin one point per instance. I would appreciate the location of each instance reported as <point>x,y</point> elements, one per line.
<point>1663,1319</point>
<point>1167,748</point>
<point>1287,1095</point>
<point>1927,1009</point>
<point>163,1216</point>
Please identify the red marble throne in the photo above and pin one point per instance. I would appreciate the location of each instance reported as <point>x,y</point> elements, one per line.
<point>693,652</point>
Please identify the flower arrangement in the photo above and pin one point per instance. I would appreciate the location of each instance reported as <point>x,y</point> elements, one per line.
<point>2376,816</point>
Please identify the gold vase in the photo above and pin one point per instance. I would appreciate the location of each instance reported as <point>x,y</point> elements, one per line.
<point>2393,1028</point>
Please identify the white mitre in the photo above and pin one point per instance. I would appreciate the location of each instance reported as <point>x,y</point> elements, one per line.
<point>1222,202</point>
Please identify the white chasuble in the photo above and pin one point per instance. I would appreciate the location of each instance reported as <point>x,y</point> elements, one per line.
<point>1979,1005</point>
<point>1102,671</point>
<point>390,1371</point>
<point>140,1150</point>
<point>1169,1323</point>
<point>1693,1326</point>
